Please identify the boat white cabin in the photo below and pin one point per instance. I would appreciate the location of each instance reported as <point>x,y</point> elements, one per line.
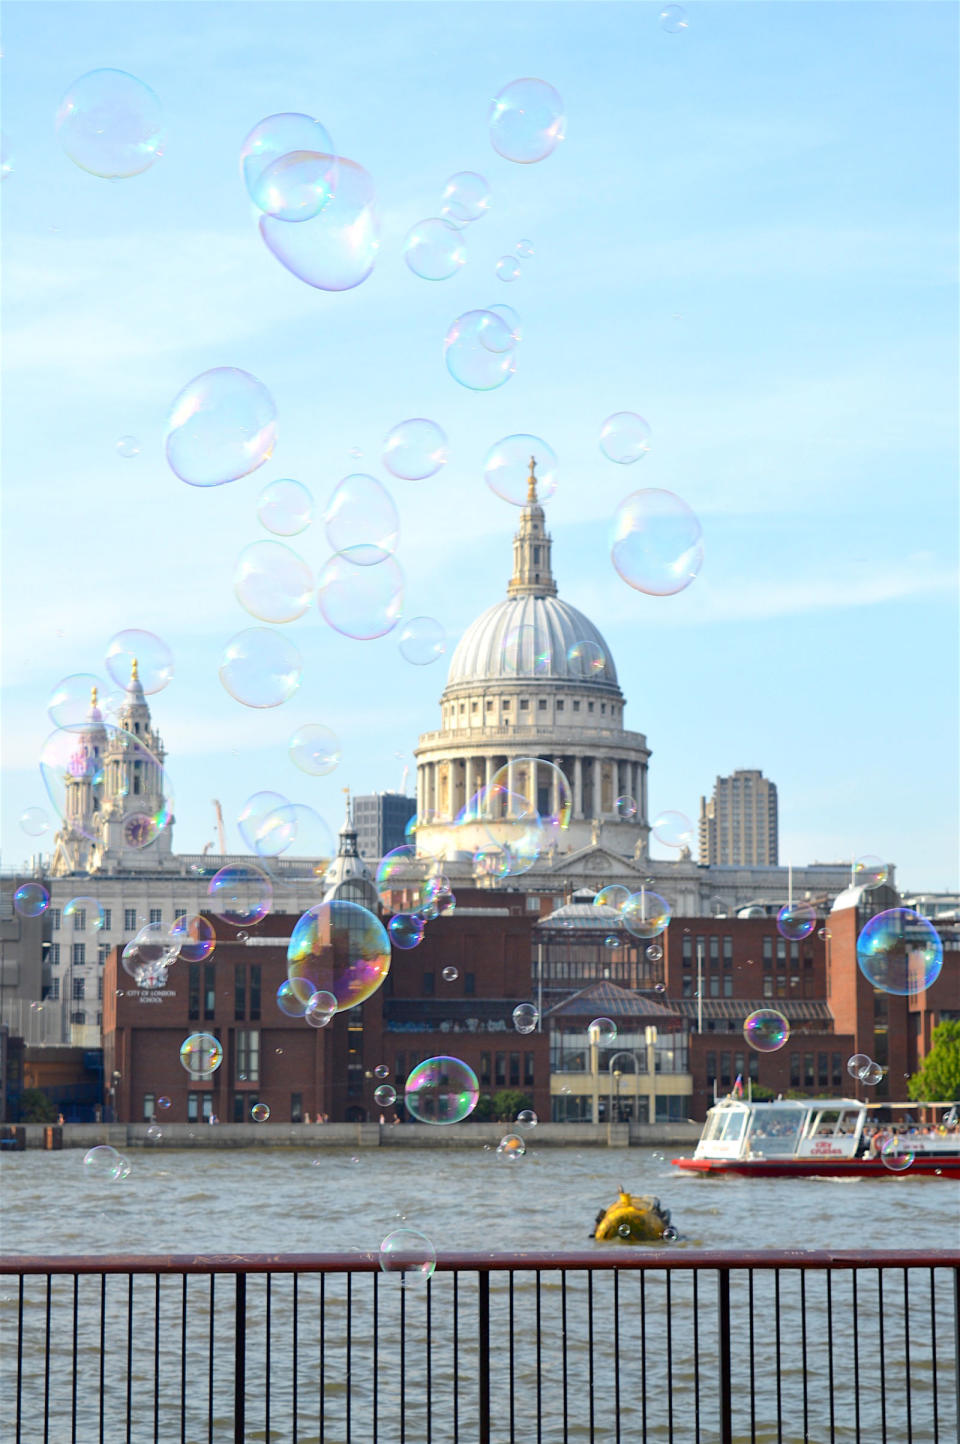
<point>807,1129</point>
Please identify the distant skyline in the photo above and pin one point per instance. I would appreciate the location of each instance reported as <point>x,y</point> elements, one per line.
<point>748,236</point>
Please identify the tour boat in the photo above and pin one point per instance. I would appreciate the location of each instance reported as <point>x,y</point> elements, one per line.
<point>824,1138</point>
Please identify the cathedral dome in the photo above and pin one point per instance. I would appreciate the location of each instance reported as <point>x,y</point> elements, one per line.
<point>532,637</point>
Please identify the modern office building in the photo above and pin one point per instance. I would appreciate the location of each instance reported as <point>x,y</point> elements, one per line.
<point>380,819</point>
<point>738,824</point>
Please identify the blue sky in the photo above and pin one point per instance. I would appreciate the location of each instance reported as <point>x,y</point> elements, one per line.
<point>748,236</point>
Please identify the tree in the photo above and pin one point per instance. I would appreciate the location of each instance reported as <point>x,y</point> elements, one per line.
<point>938,1080</point>
<point>35,1107</point>
<point>508,1103</point>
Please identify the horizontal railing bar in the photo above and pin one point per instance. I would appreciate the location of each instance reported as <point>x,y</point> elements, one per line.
<point>482,1262</point>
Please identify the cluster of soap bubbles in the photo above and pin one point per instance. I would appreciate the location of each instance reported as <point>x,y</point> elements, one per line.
<point>148,957</point>
<point>899,951</point>
<point>435,249</point>
<point>864,1069</point>
<point>766,1030</point>
<point>104,1164</point>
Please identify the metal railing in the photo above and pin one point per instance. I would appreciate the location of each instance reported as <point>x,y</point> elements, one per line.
<point>665,1344</point>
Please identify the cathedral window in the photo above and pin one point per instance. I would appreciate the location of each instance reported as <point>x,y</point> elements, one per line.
<point>603,706</point>
<point>524,704</point>
<point>54,915</point>
<point>79,956</point>
<point>542,704</point>
<point>589,706</point>
<point>506,703</point>
<point>129,919</point>
<point>560,705</point>
<point>576,706</point>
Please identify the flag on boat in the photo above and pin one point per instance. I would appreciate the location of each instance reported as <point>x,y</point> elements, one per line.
<point>738,1085</point>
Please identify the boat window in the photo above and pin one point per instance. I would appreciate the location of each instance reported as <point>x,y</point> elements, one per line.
<point>734,1125</point>
<point>712,1126</point>
<point>775,1130</point>
<point>824,1123</point>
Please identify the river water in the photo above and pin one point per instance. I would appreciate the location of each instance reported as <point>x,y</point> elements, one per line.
<point>662,1335</point>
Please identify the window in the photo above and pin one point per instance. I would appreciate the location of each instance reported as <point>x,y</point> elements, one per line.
<point>727,951</point>
<point>711,1066</point>
<point>768,987</point>
<point>589,706</point>
<point>209,991</point>
<point>156,915</point>
<point>838,1071</point>
<point>576,706</point>
<point>100,989</point>
<point>687,950</point>
<point>714,987</point>
<point>542,704</point>
<point>248,1055</point>
<point>671,1108</point>
<point>241,1103</point>
<point>78,955</point>
<point>560,705</point>
<point>506,703</point>
<point>781,950</point>
<point>427,986</point>
<point>484,1067</point>
<point>129,919</point>
<point>700,943</point>
<point>781,985</point>
<point>500,1076</point>
<point>528,1069</point>
<point>469,984</point>
<point>725,1068</point>
<point>55,989</point>
<point>823,1077</point>
<point>514,1070</point>
<point>686,988</point>
<point>768,950</point>
<point>80,920</point>
<point>808,1070</point>
<point>103,952</point>
<point>296,1107</point>
<point>199,1104</point>
<point>714,951</point>
<point>78,1018</point>
<point>55,955</point>
<point>179,913</point>
<point>753,1065</point>
<point>254,992</point>
<point>79,989</point>
<point>193,992</point>
<point>728,987</point>
<point>149,1106</point>
<point>54,916</point>
<point>240,990</point>
<point>524,704</point>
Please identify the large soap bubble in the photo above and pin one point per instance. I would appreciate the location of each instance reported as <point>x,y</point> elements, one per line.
<point>361,513</point>
<point>71,701</point>
<point>272,140</point>
<point>285,507</point>
<point>254,811</point>
<point>410,1254</point>
<point>260,668</point>
<point>272,582</point>
<point>625,437</point>
<point>361,601</point>
<point>108,757</point>
<point>134,654</point>
<point>645,914</point>
<point>293,830</point>
<point>201,1054</point>
<point>34,821</point>
<point>542,785</point>
<point>657,542</point>
<point>868,871</point>
<point>766,1030</point>
<point>223,425</point>
<point>422,640</point>
<point>314,749</point>
<point>480,351</point>
<point>434,249</point>
<point>337,249</point>
<point>507,468</point>
<point>31,900</point>
<point>415,449</point>
<point>441,1090</point>
<point>466,196</point>
<point>899,951</point>
<point>796,921</point>
<point>340,948</point>
<point>197,937</point>
<point>396,871</point>
<point>526,121</point>
<point>296,187</point>
<point>240,895</point>
<point>673,829</point>
<point>110,124</point>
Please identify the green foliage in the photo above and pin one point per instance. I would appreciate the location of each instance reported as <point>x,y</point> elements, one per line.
<point>938,1080</point>
<point>760,1094</point>
<point>508,1103</point>
<point>483,1113</point>
<point>35,1107</point>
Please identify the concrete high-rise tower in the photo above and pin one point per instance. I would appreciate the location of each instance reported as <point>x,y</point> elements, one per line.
<point>738,826</point>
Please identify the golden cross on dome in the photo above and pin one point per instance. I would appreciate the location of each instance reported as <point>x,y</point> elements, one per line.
<point>532,481</point>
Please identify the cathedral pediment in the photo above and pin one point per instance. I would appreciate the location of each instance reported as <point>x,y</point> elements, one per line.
<point>597,861</point>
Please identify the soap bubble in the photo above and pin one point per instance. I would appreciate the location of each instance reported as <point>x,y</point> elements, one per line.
<point>342,949</point>
<point>31,899</point>
<point>870,872</point>
<point>673,829</point>
<point>71,705</point>
<point>260,1112</point>
<point>293,997</point>
<point>397,870</point>
<point>197,938</point>
<point>654,952</point>
<point>896,1154</point>
<point>613,940</point>
<point>526,121</point>
<point>103,1164</point>
<point>128,447</point>
<point>673,19</point>
<point>796,921</point>
<point>466,196</point>
<point>357,599</point>
<point>314,749</point>
<point>294,830</point>
<point>272,582</point>
<point>410,1254</point>
<point>275,138</point>
<point>163,1102</point>
<point>434,250</point>
<point>612,896</point>
<point>523,249</point>
<point>285,507</point>
<point>480,351</point>
<point>645,914</point>
<point>508,268</point>
<point>153,949</point>
<point>587,659</point>
<point>34,821</point>
<point>525,1017</point>
<point>657,542</point>
<point>766,1030</point>
<point>526,1118</point>
<point>406,930</point>
<point>422,640</point>
<point>260,668</point>
<point>543,787</point>
<point>415,449</point>
<point>240,895</point>
<point>511,1147</point>
<point>509,317</point>
<point>441,1090</point>
<point>856,1063</point>
<point>526,652</point>
<point>110,124</point>
<point>66,756</point>
<point>223,425</point>
<point>321,1008</point>
<point>297,187</point>
<point>450,974</point>
<point>201,1054</point>
<point>626,808</point>
<point>870,1074</point>
<point>362,514</point>
<point>625,437</point>
<point>900,952</point>
<point>153,658</point>
<point>602,1032</point>
<point>506,468</point>
<point>337,249</point>
<point>85,914</point>
<point>385,1096</point>
<point>253,814</point>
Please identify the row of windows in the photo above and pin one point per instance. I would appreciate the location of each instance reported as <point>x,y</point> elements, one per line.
<point>524,706</point>
<point>709,949</point>
<point>829,1070</point>
<point>743,1067</point>
<point>498,1070</point>
<point>104,924</point>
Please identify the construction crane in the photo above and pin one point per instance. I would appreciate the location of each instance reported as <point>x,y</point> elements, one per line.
<point>221,830</point>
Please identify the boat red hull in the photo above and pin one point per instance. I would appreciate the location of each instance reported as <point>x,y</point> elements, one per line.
<point>820,1167</point>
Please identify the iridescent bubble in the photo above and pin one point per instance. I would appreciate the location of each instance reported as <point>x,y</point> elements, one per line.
<point>900,952</point>
<point>410,1254</point>
<point>297,187</point>
<point>275,138</point>
<point>34,821</point>
<point>654,952</point>
<point>103,1164</point>
<point>362,514</point>
<point>359,600</point>
<point>870,872</point>
<point>222,425</point>
<point>294,831</point>
<point>526,652</point>
<point>201,1054</point>
<point>896,1154</point>
<point>526,121</point>
<point>657,543</point>
<point>766,1030</point>
<point>796,921</point>
<point>543,786</point>
<point>314,749</point>
<point>602,1032</point>
<point>450,974</point>
<point>525,1017</point>
<point>523,249</point>
<point>285,507</point>
<point>526,1118</point>
<point>293,997</point>
<point>434,249</point>
<point>870,1074</point>
<point>128,447</point>
<point>110,124</point>
<point>507,469</point>
<point>253,813</point>
<point>155,947</point>
<point>337,249</point>
<point>509,317</point>
<point>645,914</point>
<point>385,1096</point>
<point>856,1063</point>
<point>260,668</point>
<point>466,196</point>
<point>163,1102</point>
<point>673,19</point>
<point>587,659</point>
<point>406,930</point>
<point>673,829</point>
<point>197,938</point>
<point>613,940</point>
<point>321,1008</point>
<point>508,268</point>
<point>381,1071</point>
<point>31,899</point>
<point>491,862</point>
<point>342,949</point>
<point>260,1112</point>
<point>135,655</point>
<point>625,437</point>
<point>68,757</point>
<point>83,914</point>
<point>240,895</point>
<point>71,704</point>
<point>480,351</point>
<point>422,640</point>
<point>626,808</point>
<point>272,582</point>
<point>612,896</point>
<point>397,870</point>
<point>415,449</point>
<point>441,1090</point>
<point>511,1147</point>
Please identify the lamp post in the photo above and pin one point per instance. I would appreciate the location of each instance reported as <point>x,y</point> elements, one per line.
<point>617,1073</point>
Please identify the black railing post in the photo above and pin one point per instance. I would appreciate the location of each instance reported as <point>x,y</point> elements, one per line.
<point>723,1355</point>
<point>483,1341</point>
<point>240,1361</point>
